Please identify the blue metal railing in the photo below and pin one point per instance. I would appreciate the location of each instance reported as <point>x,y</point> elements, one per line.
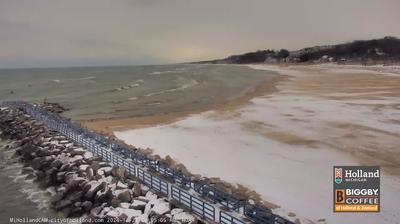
<point>153,182</point>
<point>194,204</point>
<point>225,218</point>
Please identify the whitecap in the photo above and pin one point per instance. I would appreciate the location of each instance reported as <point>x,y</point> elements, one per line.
<point>189,84</point>
<point>164,72</point>
<point>79,79</point>
<point>134,85</point>
<point>127,87</point>
<point>153,104</point>
<point>86,78</point>
<point>133,98</point>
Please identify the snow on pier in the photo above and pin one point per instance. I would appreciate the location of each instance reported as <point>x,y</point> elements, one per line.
<point>205,201</point>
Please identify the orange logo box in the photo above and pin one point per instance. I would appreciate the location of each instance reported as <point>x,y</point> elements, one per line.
<point>356,208</point>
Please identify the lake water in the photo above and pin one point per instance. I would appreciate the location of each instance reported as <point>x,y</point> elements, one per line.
<point>109,92</point>
<point>19,198</point>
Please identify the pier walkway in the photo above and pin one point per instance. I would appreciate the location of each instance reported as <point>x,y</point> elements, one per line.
<point>207,202</point>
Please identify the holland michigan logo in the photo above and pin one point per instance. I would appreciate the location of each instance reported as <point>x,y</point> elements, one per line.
<point>338,175</point>
<point>356,189</point>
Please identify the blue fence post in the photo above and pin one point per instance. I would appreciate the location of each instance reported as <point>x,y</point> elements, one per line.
<point>204,214</point>
<point>151,181</point>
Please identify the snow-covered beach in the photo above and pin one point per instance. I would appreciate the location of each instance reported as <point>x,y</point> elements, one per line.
<point>284,145</point>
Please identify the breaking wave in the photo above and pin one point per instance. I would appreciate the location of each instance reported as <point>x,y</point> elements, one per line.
<point>12,170</point>
<point>127,87</point>
<point>132,98</point>
<point>187,85</point>
<point>165,72</point>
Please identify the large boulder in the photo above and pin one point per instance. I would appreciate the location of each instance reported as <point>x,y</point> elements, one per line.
<point>119,185</point>
<point>144,189</point>
<point>104,171</point>
<point>41,152</point>
<point>77,159</point>
<point>137,190</point>
<point>95,186</point>
<point>99,164</point>
<point>130,183</point>
<point>176,211</point>
<point>119,172</point>
<point>60,177</point>
<point>76,151</point>
<point>87,205</point>
<point>104,196</point>
<point>51,176</point>
<point>40,162</point>
<point>123,195</point>
<point>124,205</point>
<point>73,184</point>
<point>115,202</point>
<point>160,207</point>
<point>142,198</point>
<point>87,155</point>
<point>89,173</point>
<point>151,196</point>
<point>138,205</point>
<point>56,164</point>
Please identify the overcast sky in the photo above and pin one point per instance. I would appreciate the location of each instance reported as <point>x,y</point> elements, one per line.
<point>47,33</point>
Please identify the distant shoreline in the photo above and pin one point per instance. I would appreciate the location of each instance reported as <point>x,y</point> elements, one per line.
<point>384,50</point>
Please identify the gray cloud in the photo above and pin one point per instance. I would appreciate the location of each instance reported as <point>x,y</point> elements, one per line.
<point>99,32</point>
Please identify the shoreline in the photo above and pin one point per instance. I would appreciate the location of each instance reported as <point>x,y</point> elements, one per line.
<point>269,86</point>
<point>291,119</point>
<point>108,126</point>
<point>317,118</point>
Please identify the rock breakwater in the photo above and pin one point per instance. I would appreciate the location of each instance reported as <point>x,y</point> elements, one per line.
<point>80,183</point>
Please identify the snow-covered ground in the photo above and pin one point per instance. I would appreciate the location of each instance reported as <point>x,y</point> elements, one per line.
<point>393,70</point>
<point>284,146</point>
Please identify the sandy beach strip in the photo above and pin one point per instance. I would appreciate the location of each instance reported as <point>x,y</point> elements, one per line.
<point>283,144</point>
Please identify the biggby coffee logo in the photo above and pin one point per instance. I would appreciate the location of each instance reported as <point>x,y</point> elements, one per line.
<point>338,175</point>
<point>356,189</point>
